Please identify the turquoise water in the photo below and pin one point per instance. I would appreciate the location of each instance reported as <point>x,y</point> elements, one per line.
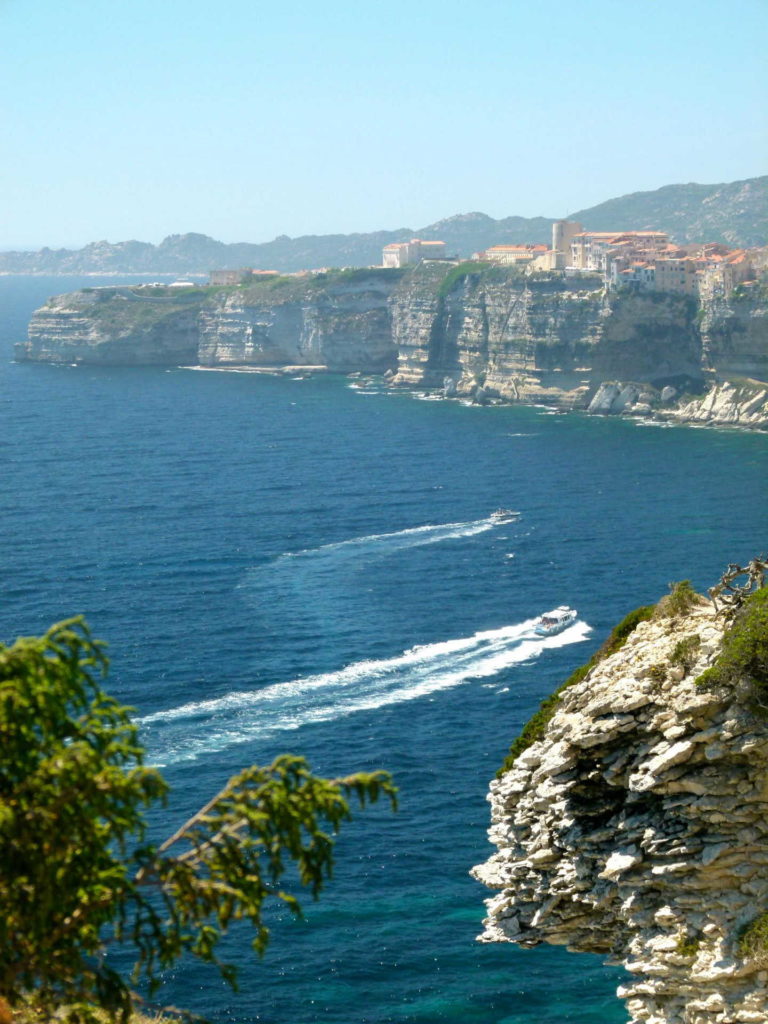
<point>300,565</point>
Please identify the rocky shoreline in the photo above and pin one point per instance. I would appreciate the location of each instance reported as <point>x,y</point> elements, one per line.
<point>475,333</point>
<point>637,828</point>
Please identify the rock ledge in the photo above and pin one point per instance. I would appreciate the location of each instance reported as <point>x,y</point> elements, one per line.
<point>637,829</point>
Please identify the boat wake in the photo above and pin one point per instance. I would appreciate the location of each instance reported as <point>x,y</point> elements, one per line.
<point>381,545</point>
<point>203,727</point>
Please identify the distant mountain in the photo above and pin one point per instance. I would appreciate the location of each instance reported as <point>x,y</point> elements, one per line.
<point>735,213</point>
<point>469,232</point>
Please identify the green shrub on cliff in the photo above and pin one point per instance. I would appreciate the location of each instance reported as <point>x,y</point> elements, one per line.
<point>679,601</point>
<point>744,653</point>
<point>753,941</point>
<point>458,273</point>
<point>685,650</point>
<point>76,870</point>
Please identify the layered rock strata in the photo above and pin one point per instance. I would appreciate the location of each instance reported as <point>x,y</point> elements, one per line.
<point>112,326</point>
<point>490,334</point>
<point>734,332</point>
<point>519,338</point>
<point>637,828</point>
<point>343,324</point>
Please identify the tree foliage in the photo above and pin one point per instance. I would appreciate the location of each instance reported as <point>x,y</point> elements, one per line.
<point>76,870</point>
<point>744,654</point>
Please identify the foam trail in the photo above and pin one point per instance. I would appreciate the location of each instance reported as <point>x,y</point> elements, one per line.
<point>199,727</point>
<point>390,543</point>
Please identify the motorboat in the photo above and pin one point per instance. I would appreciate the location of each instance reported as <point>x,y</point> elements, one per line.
<point>555,621</point>
<point>502,515</point>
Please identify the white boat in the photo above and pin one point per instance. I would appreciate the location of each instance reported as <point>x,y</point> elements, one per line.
<point>555,621</point>
<point>502,515</point>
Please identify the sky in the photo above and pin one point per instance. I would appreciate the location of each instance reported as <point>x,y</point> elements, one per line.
<point>245,119</point>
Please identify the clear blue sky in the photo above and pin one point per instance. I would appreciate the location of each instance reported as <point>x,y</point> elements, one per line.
<point>246,119</point>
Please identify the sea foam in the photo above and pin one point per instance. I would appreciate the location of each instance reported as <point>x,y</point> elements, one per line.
<point>197,728</point>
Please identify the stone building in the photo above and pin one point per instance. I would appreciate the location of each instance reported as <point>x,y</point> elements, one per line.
<point>563,233</point>
<point>511,254</point>
<point>593,250</point>
<point>398,254</point>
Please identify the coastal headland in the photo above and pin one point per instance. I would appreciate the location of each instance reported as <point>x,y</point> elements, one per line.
<point>630,816</point>
<point>466,330</point>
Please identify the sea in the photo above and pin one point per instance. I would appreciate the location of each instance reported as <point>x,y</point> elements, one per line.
<point>313,566</point>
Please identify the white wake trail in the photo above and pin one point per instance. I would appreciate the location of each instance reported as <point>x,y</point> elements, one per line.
<point>199,727</point>
<point>397,541</point>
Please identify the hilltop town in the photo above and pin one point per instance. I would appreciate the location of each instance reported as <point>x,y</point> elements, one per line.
<point>641,261</point>
<point>638,260</point>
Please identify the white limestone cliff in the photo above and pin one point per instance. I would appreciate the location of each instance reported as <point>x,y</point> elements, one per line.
<point>637,828</point>
<point>743,403</point>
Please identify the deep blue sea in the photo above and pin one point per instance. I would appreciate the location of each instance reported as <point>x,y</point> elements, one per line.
<point>306,566</point>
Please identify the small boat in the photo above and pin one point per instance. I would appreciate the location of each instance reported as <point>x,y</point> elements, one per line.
<point>501,515</point>
<point>555,621</point>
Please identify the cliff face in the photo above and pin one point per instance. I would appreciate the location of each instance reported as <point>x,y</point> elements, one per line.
<point>344,325</point>
<point>734,332</point>
<point>734,358</point>
<point>637,828</point>
<point>112,327</point>
<point>340,321</point>
<point>489,334</point>
<point>537,337</point>
<point>499,329</point>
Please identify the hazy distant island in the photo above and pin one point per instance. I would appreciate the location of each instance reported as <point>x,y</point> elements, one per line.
<point>735,214</point>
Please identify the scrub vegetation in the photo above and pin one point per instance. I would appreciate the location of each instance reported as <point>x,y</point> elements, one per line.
<point>744,654</point>
<point>753,941</point>
<point>458,273</point>
<point>679,601</point>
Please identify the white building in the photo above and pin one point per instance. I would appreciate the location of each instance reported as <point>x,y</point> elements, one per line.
<point>398,254</point>
<point>510,254</point>
<point>593,250</point>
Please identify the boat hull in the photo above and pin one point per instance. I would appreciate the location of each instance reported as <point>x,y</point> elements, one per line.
<point>554,622</point>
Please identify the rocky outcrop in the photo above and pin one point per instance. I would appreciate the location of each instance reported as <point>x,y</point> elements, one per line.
<point>637,828</point>
<point>338,321</point>
<point>613,398</point>
<point>741,404</point>
<point>112,326</point>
